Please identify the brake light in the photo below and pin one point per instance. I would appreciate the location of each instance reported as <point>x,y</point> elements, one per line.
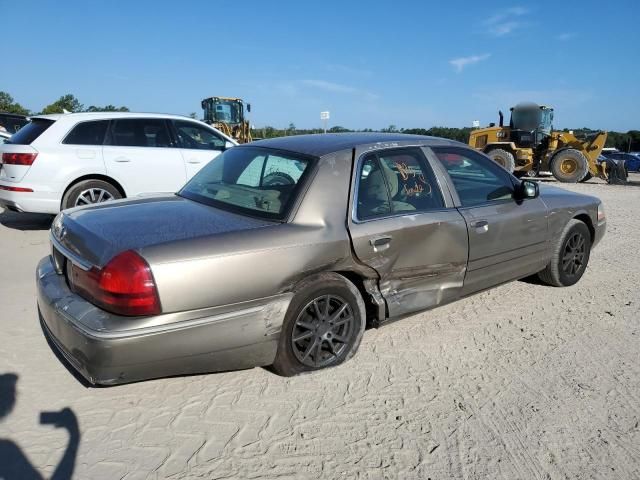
<point>19,158</point>
<point>15,189</point>
<point>124,286</point>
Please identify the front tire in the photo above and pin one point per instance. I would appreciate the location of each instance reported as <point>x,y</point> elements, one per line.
<point>503,158</point>
<point>569,166</point>
<point>88,192</point>
<point>323,326</point>
<point>570,256</point>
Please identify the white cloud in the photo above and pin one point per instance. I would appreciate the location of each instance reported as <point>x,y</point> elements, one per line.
<point>460,63</point>
<point>506,21</point>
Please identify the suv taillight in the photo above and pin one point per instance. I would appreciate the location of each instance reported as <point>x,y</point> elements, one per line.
<point>124,286</point>
<point>19,158</point>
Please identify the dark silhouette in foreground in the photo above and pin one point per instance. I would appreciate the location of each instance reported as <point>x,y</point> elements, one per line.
<point>13,462</point>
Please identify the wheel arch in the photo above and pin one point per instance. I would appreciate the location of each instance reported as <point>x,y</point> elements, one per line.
<point>95,176</point>
<point>374,304</point>
<point>510,146</point>
<point>586,219</point>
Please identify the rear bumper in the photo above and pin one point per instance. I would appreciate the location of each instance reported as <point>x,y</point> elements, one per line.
<point>32,202</point>
<point>237,339</point>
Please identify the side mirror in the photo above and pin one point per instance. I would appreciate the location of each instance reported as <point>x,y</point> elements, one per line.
<point>248,107</point>
<point>528,189</point>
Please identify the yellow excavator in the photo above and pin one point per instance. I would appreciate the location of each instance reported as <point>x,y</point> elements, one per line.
<point>228,116</point>
<point>529,144</point>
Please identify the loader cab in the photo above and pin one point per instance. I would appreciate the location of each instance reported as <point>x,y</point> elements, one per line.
<point>530,124</point>
<point>223,110</point>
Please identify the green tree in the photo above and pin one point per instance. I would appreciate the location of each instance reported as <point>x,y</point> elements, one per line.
<point>107,108</point>
<point>193,115</point>
<point>67,102</point>
<point>338,129</point>
<point>8,105</point>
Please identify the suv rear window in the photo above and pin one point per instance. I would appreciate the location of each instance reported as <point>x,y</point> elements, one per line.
<point>32,130</point>
<point>87,133</point>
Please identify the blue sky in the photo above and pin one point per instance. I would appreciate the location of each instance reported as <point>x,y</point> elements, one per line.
<point>372,64</point>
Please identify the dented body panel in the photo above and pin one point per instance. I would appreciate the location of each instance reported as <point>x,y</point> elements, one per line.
<point>226,280</point>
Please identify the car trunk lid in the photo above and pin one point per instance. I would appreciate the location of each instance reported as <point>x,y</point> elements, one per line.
<point>93,235</point>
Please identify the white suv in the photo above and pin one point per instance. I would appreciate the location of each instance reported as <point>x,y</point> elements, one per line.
<point>66,160</point>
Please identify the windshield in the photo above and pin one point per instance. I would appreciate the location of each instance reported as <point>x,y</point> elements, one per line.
<point>226,111</point>
<point>251,180</point>
<point>526,119</point>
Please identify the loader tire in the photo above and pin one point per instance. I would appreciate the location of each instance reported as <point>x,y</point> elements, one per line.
<point>503,158</point>
<point>569,166</point>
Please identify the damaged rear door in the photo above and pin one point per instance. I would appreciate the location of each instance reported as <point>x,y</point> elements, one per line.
<point>404,225</point>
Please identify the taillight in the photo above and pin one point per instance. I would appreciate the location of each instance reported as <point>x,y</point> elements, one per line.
<point>15,189</point>
<point>124,286</point>
<point>19,158</point>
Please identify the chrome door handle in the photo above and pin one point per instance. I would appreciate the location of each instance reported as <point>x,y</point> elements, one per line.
<point>481,226</point>
<point>380,243</point>
<point>122,159</point>
<point>193,161</point>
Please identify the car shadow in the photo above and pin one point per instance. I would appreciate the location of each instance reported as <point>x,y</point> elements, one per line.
<point>13,462</point>
<point>26,221</point>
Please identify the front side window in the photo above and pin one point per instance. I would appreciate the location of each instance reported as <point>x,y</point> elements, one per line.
<point>87,133</point>
<point>255,181</point>
<point>194,136</point>
<point>140,132</point>
<point>477,179</point>
<point>396,182</point>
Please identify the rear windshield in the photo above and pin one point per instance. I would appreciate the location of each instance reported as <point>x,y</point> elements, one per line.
<point>256,181</point>
<point>32,130</point>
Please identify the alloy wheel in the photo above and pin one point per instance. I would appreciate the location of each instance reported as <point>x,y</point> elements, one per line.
<point>93,195</point>
<point>574,254</point>
<point>322,331</point>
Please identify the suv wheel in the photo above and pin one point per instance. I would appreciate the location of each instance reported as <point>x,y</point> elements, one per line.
<point>88,192</point>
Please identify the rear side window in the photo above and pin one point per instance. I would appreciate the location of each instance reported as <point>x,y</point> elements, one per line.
<point>397,182</point>
<point>87,133</point>
<point>32,130</point>
<point>140,132</point>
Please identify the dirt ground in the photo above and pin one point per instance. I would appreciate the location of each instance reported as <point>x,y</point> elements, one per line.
<point>521,382</point>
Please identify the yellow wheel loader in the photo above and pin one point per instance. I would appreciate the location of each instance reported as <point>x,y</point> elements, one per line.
<point>227,115</point>
<point>528,145</point>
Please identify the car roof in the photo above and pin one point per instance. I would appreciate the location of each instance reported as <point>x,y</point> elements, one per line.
<point>322,144</point>
<point>108,115</point>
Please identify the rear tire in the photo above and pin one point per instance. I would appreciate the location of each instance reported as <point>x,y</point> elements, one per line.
<point>503,158</point>
<point>311,339</point>
<point>88,192</point>
<point>570,256</point>
<point>569,166</point>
